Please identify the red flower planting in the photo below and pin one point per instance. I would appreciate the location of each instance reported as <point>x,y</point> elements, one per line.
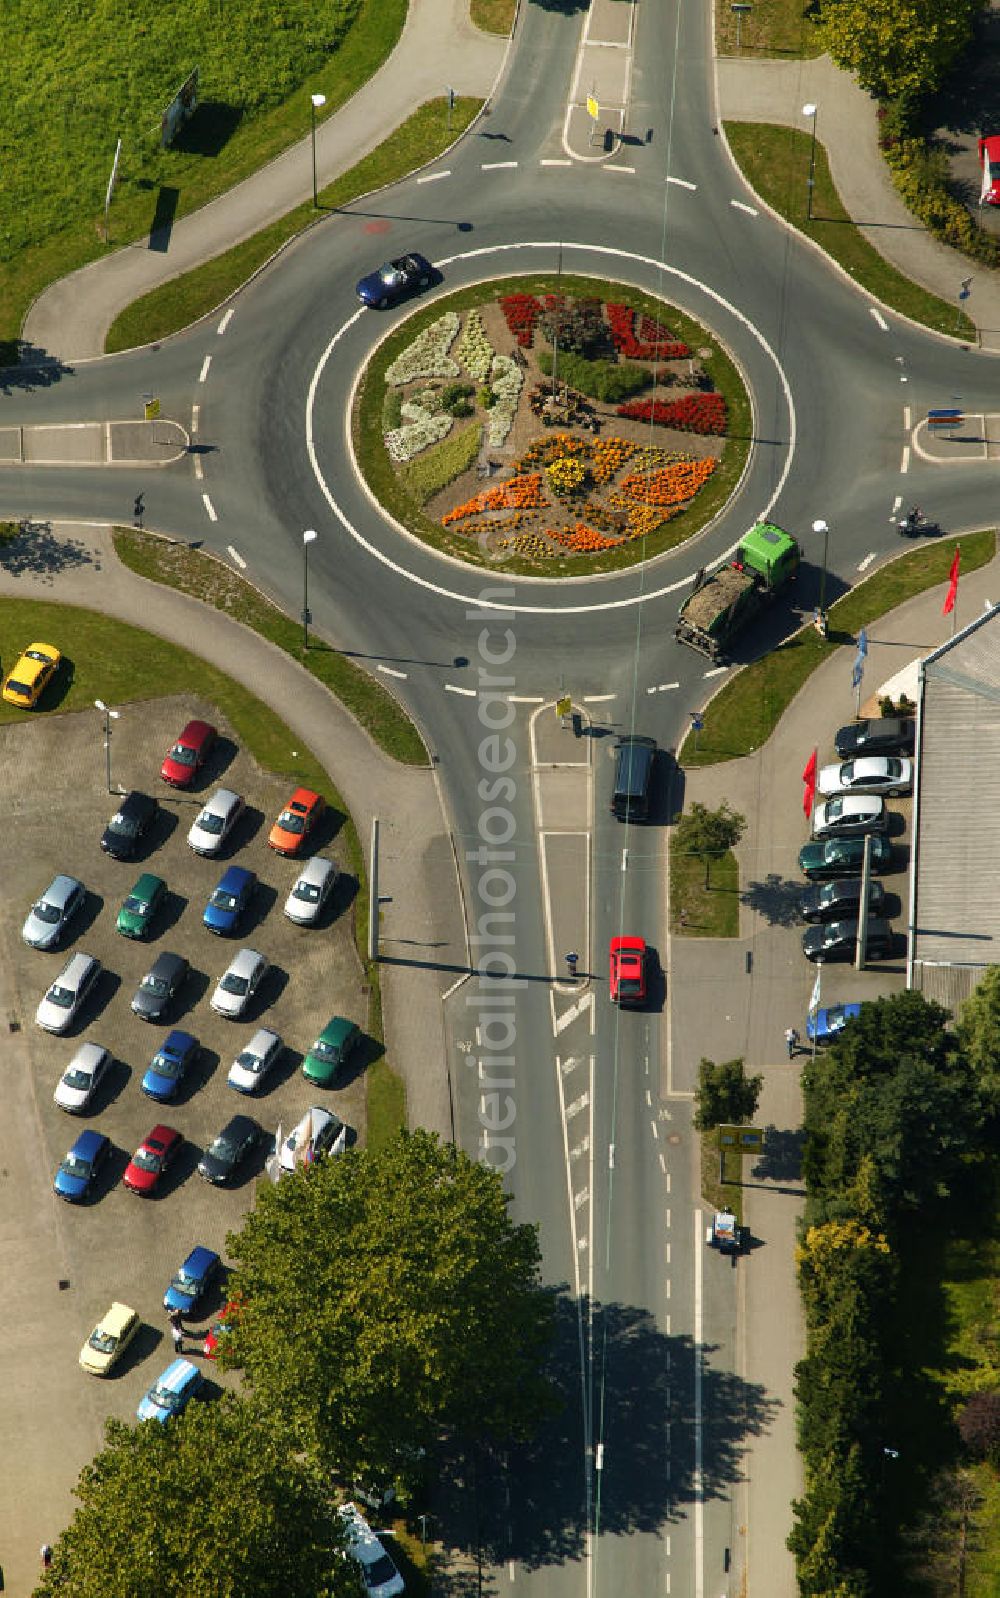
<point>654,342</point>
<point>695,413</point>
<point>522,312</point>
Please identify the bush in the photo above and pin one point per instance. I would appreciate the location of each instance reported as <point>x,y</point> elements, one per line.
<point>577,324</point>
<point>920,173</point>
<point>455,399</point>
<point>601,380</point>
<point>979,1425</point>
<point>392,410</point>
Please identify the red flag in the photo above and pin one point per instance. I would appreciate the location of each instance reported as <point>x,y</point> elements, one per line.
<point>809,778</point>
<point>952,594</point>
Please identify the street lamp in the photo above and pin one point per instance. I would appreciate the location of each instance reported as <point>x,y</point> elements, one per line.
<point>315,100</point>
<point>810,110</point>
<point>308,537</point>
<point>821,527</point>
<point>109,716</point>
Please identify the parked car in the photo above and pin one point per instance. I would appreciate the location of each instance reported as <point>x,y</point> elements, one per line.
<point>839,899</point>
<point>828,1023</point>
<point>313,886</point>
<point>888,774</point>
<point>191,1280</point>
<point>31,675</point>
<point>68,994</point>
<point>138,912</point>
<point>252,1064</point>
<point>394,280</point>
<point>81,1078</point>
<point>215,821</point>
<point>129,825</point>
<point>332,1053</point>
<point>319,1132</point>
<point>851,814</point>
<point>160,986</point>
<point>82,1163</point>
<point>238,983</point>
<point>989,160</point>
<point>380,1576</point>
<point>238,1138</point>
<point>188,755</point>
<point>835,857</point>
<point>172,1392</point>
<point>296,823</point>
<point>837,940</point>
<point>882,736</point>
<point>628,971</point>
<point>153,1156</point>
<point>229,899</point>
<point>169,1066</point>
<point>109,1339</point>
<point>51,914</point>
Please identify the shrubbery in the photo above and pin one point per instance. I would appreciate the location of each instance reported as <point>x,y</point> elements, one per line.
<point>600,380</point>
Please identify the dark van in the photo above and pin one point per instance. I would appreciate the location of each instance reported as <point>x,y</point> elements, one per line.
<point>635,758</point>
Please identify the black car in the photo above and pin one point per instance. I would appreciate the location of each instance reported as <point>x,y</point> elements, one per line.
<point>838,941</point>
<point>832,901</point>
<point>394,280</point>
<point>885,735</point>
<point>225,1152</point>
<point>158,988</point>
<point>835,857</point>
<point>129,825</point>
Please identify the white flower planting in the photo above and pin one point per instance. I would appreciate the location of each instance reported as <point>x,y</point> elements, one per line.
<point>428,355</point>
<point>506,381</point>
<point>474,349</point>
<point>420,429</point>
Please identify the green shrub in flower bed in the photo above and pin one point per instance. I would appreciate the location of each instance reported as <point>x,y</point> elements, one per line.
<point>392,409</point>
<point>433,469</point>
<point>601,380</point>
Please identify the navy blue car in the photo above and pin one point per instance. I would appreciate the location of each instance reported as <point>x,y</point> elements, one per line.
<point>77,1171</point>
<point>191,1280</point>
<point>166,1069</point>
<point>394,280</point>
<point>230,897</point>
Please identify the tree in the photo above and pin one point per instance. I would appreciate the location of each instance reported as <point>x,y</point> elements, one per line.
<point>709,833</point>
<point>978,1032</point>
<point>979,1425</point>
<point>389,1299</point>
<point>725,1094</point>
<point>214,1501</point>
<point>897,47</point>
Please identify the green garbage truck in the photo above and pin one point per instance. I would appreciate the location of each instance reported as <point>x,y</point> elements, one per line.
<point>721,604</point>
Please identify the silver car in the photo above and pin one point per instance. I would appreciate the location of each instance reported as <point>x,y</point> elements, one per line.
<point>243,976</point>
<point>252,1064</point>
<point>81,1078</point>
<point>314,885</point>
<point>215,822</point>
<point>50,915</point>
<point>68,993</point>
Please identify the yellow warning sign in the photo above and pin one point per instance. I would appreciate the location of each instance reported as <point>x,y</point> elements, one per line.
<point>593,109</point>
<point>151,410</point>
<point>564,706</point>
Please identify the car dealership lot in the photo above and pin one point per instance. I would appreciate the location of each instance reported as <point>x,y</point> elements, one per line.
<point>65,1264</point>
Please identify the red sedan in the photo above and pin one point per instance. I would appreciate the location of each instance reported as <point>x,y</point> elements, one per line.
<point>628,971</point>
<point>188,755</point>
<point>989,160</point>
<point>151,1158</point>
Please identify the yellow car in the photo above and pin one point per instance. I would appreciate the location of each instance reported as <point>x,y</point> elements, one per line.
<point>109,1339</point>
<point>32,675</point>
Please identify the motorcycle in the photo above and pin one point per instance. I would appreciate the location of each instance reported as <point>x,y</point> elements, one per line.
<point>915,522</point>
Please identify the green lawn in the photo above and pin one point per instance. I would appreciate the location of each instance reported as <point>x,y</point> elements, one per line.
<point>78,77</point>
<point>775,162</point>
<point>716,1193</point>
<point>747,710</point>
<point>700,912</point>
<point>493,16</point>
<point>770,28</point>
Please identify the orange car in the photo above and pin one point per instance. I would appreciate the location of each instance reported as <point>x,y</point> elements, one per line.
<point>293,828</point>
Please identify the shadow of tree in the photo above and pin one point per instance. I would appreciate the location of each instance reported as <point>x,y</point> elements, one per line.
<point>37,551</point>
<point>776,898</point>
<point>29,367</point>
<point>781,1160</point>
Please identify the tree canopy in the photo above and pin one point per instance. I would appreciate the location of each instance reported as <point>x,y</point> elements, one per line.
<point>978,1031</point>
<point>897,47</point>
<point>709,833</point>
<point>725,1094</point>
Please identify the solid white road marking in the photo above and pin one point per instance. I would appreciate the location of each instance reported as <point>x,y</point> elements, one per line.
<point>199,470</point>
<point>432,177</point>
<point>494,166</point>
<point>551,162</point>
<point>876,316</point>
<point>682,183</point>
<point>195,418</point>
<point>864,564</point>
<point>716,671</point>
<point>391,672</point>
<point>738,205</point>
<point>905,464</point>
<point>611,1156</point>
<point>611,166</point>
<point>210,508</point>
<point>225,321</point>
<point>450,688</point>
<point>598,699</point>
<point>525,699</point>
<point>235,556</point>
<point>206,363</point>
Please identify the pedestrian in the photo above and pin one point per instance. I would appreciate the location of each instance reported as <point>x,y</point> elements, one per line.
<point>792,1040</point>
<point>683,918</point>
<point>46,1557</point>
<point>177,1330</point>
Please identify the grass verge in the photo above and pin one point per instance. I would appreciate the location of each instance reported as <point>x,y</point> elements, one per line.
<point>771,28</point>
<point>493,16</point>
<point>207,579</point>
<point>715,1192</point>
<point>127,665</point>
<point>184,299</point>
<point>775,162</point>
<point>700,912</point>
<point>746,711</point>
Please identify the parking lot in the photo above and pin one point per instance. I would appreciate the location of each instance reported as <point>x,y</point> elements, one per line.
<point>66,1263</point>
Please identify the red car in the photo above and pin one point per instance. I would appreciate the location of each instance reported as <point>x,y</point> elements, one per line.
<point>219,1329</point>
<point>151,1158</point>
<point>291,831</point>
<point>989,160</point>
<point>628,970</point>
<point>188,755</point>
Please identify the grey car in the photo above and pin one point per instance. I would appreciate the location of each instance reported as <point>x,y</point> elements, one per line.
<point>160,986</point>
<point>215,821</point>
<point>313,886</point>
<point>238,984</point>
<point>66,997</point>
<point>51,914</point>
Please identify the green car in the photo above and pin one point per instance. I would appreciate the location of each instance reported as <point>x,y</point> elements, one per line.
<point>843,857</point>
<point>331,1053</point>
<point>141,906</point>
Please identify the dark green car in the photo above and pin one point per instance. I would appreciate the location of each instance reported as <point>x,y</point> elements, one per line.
<point>838,857</point>
<point>140,907</point>
<point>332,1052</point>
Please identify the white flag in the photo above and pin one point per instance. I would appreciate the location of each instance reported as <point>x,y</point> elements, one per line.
<point>987,178</point>
<point>814,1001</point>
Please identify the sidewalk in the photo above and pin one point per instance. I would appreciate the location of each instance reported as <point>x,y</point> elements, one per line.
<point>438,48</point>
<point>846,127</point>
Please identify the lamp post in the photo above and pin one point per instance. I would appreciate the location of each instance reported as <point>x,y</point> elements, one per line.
<point>315,101</point>
<point>308,537</point>
<point>109,716</point>
<point>739,11</point>
<point>821,527</point>
<point>810,110</point>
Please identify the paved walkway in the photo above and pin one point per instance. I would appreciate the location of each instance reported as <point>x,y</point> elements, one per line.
<point>846,127</point>
<point>438,48</point>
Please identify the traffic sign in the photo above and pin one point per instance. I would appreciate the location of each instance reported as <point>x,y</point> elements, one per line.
<point>697,720</point>
<point>944,418</point>
<point>564,706</point>
<point>593,109</point>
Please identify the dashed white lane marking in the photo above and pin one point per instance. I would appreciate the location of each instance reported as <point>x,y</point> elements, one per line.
<point>235,555</point>
<point>510,1569</point>
<point>656,1130</point>
<point>907,421</point>
<point>209,507</point>
<point>682,183</point>
<point>390,671</point>
<point>878,318</point>
<point>495,166</point>
<point>895,506</point>
<point>525,699</point>
<point>195,419</point>
<point>864,564</point>
<point>432,177</point>
<point>905,463</point>
<point>738,205</point>
<point>225,321</point>
<point>649,1099</point>
<point>199,470</point>
<point>206,363</point>
<point>662,687</point>
<point>551,161</point>
<point>663,1164</point>
<point>716,671</point>
<point>452,688</point>
<point>598,699</point>
<point>612,166</point>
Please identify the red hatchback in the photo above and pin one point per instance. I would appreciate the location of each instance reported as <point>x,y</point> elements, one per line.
<point>188,755</point>
<point>151,1158</point>
<point>628,970</point>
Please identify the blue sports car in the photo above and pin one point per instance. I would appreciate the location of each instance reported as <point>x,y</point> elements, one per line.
<point>395,280</point>
<point>168,1065</point>
<point>230,897</point>
<point>826,1024</point>
<point>191,1280</point>
<point>77,1171</point>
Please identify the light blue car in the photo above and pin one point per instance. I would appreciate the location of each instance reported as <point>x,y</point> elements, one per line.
<point>174,1390</point>
<point>828,1024</point>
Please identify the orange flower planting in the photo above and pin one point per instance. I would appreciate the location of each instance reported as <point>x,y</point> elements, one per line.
<point>669,487</point>
<point>607,455</point>
<point>521,493</point>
